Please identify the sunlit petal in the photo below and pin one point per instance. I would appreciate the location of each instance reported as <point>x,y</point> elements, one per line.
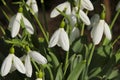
<point>36,56</point>
<point>28,25</point>
<point>39,79</point>
<point>60,7</point>
<point>64,40</point>
<point>87,4</point>
<point>34,7</point>
<point>28,66</point>
<point>14,24</point>
<point>107,31</point>
<point>6,66</point>
<point>84,17</point>
<point>18,64</point>
<point>97,32</point>
<point>54,38</point>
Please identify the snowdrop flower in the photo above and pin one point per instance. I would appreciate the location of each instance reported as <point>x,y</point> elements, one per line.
<point>118,6</point>
<point>36,56</point>
<point>14,24</point>
<point>97,32</point>
<point>33,5</point>
<point>10,60</point>
<point>61,7</point>
<point>84,17</point>
<point>87,4</point>
<point>60,38</point>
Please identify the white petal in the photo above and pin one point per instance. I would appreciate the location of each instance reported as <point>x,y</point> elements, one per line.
<point>38,79</point>
<point>34,7</point>
<point>84,17</point>
<point>97,32</point>
<point>13,68</point>
<point>107,31</point>
<point>28,2</point>
<point>36,56</point>
<point>60,7</point>
<point>68,10</point>
<point>54,38</point>
<point>87,4</point>
<point>14,24</point>
<point>6,66</point>
<point>28,66</point>
<point>74,34</point>
<point>28,25</point>
<point>63,40</point>
<point>18,64</point>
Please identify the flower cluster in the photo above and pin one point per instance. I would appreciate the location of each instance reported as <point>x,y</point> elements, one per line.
<point>17,63</point>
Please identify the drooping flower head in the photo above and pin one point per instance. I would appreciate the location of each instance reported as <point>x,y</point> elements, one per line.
<point>12,60</point>
<point>99,29</point>
<point>15,21</point>
<point>36,56</point>
<point>33,5</point>
<point>60,38</point>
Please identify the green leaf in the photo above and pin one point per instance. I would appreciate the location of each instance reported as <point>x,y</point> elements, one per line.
<point>77,59</point>
<point>54,59</point>
<point>50,72</point>
<point>74,75</point>
<point>59,74</point>
<point>113,74</point>
<point>95,72</point>
<point>117,56</point>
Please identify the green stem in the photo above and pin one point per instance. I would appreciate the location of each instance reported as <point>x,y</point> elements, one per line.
<point>44,15</point>
<point>91,55</point>
<point>3,31</point>
<point>35,66</point>
<point>5,4</point>
<point>115,18</point>
<point>82,30</point>
<point>41,28</point>
<point>116,40</point>
<point>66,62</point>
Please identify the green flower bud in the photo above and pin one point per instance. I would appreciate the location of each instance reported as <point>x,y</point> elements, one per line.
<point>12,50</point>
<point>20,10</point>
<point>27,48</point>
<point>103,12</point>
<point>62,24</point>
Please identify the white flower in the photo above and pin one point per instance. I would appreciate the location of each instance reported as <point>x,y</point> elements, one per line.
<point>84,17</point>
<point>39,79</point>
<point>118,6</point>
<point>61,7</point>
<point>33,5</point>
<point>60,38</point>
<point>97,32</point>
<point>87,5</point>
<point>10,60</point>
<point>75,33</point>
<point>36,56</point>
<point>14,24</point>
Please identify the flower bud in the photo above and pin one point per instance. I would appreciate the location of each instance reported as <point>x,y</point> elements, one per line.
<point>62,24</point>
<point>20,10</point>
<point>12,50</point>
<point>103,12</point>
